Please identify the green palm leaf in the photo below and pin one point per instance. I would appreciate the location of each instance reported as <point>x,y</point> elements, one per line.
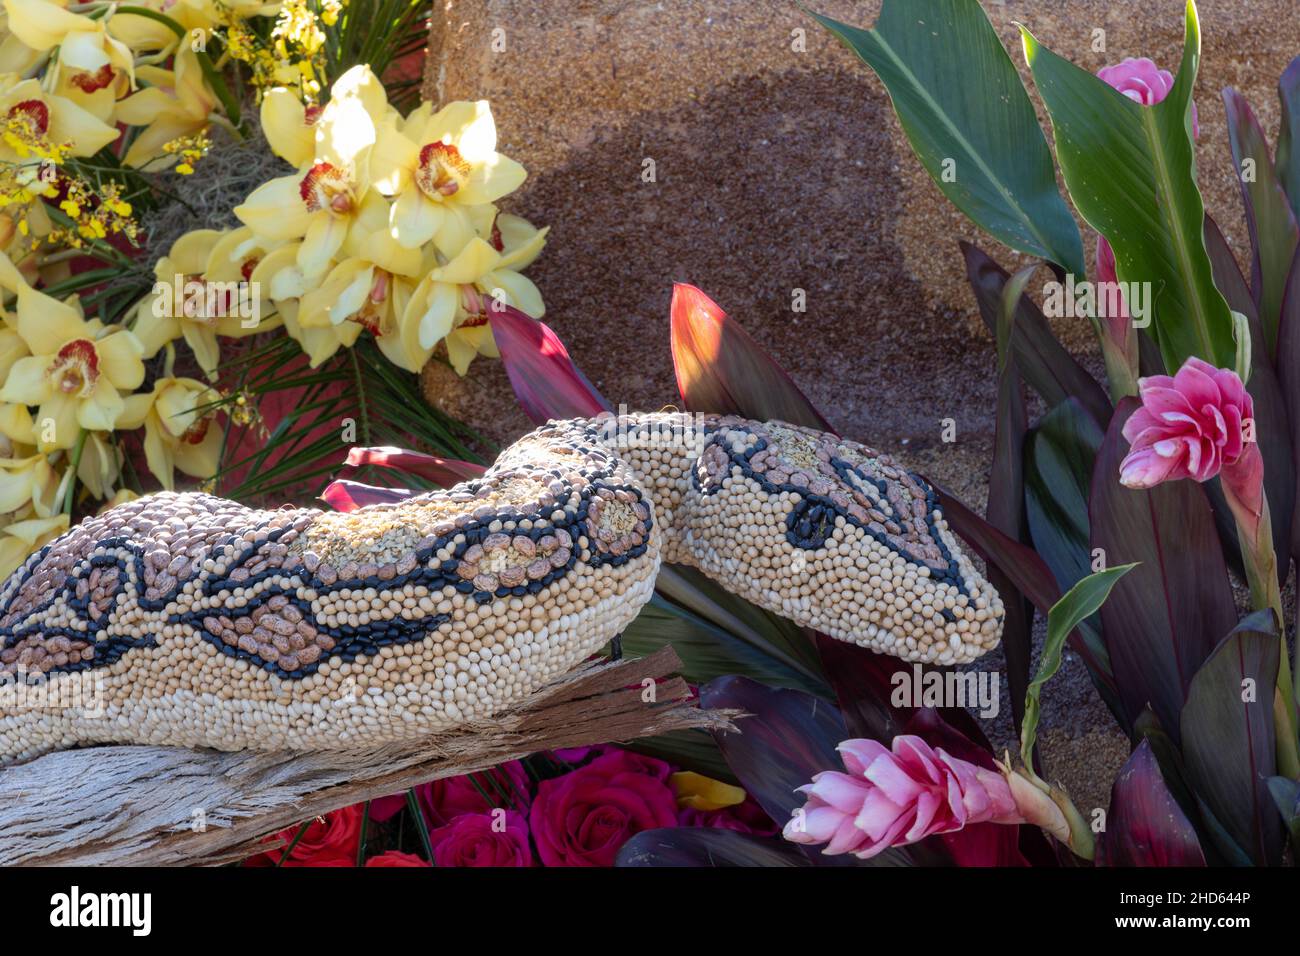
<point>970,121</point>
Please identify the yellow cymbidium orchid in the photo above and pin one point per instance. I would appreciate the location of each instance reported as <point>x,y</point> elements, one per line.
<point>176,104</point>
<point>318,343</point>
<point>180,428</point>
<point>25,481</point>
<point>357,290</point>
<point>24,532</point>
<point>452,302</point>
<point>91,68</point>
<point>145,33</point>
<point>76,371</point>
<point>188,302</point>
<point>436,165</point>
<point>100,465</point>
<point>41,126</point>
<point>320,202</point>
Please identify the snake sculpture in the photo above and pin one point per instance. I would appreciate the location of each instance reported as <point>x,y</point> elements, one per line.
<point>190,620</point>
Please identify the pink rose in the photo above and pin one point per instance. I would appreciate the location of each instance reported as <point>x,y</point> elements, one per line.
<point>483,839</point>
<point>1189,426</point>
<point>584,817</point>
<point>892,798</point>
<point>507,785</point>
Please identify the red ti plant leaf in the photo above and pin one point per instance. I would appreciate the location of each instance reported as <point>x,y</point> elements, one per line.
<point>1288,370</point>
<point>1046,364</point>
<point>546,382</point>
<point>1228,739</point>
<point>686,846</point>
<point>721,369</point>
<point>1273,231</point>
<point>1288,137</point>
<point>1164,617</point>
<point>343,495</point>
<point>1274,425</point>
<point>444,472</point>
<point>1145,826</point>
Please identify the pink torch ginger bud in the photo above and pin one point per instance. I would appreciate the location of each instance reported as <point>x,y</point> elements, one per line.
<point>893,798</point>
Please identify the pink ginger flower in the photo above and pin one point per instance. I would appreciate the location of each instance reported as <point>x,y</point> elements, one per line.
<point>893,798</point>
<point>1192,425</point>
<point>1142,81</point>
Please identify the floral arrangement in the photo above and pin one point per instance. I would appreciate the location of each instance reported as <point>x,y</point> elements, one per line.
<point>575,807</point>
<point>382,237</point>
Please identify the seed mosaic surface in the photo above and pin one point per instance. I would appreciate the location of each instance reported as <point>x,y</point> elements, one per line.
<point>191,620</point>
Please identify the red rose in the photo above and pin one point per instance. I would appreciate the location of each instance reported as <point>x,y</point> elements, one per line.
<point>442,800</point>
<point>331,840</point>
<point>497,838</point>
<point>396,858</point>
<point>584,817</point>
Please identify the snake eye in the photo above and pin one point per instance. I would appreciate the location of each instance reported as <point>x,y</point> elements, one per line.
<point>809,524</point>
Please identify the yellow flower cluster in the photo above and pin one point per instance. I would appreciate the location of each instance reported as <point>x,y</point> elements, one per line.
<point>294,56</point>
<point>69,386</point>
<point>388,226</point>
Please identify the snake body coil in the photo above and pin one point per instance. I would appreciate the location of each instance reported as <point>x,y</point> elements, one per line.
<point>189,620</point>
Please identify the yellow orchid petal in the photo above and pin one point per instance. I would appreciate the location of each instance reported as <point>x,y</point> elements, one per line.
<point>140,109</point>
<point>158,453</point>
<point>42,25</point>
<point>449,123</point>
<point>456,231</point>
<point>519,291</point>
<point>84,50</point>
<point>69,123</point>
<point>284,123</point>
<point>440,302</point>
<point>324,237</point>
<point>698,792</point>
<point>460,352</point>
<point>391,160</point>
<point>134,410</point>
<point>201,460</point>
<point>99,412</point>
<point>471,264</point>
<point>16,423</point>
<point>203,343</point>
<point>12,348</point>
<point>21,538</point>
<point>153,327</point>
<point>275,210</point>
<point>414,219</point>
<point>27,383</point>
<point>491,179</point>
<point>190,253</point>
<point>521,241</point>
<point>119,359</point>
<point>56,423</point>
<point>45,323</point>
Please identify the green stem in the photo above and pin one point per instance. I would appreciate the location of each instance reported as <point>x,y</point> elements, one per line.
<point>413,805</point>
<point>70,500</point>
<point>302,830</point>
<point>361,843</point>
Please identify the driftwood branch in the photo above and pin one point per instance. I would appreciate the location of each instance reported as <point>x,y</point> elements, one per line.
<point>163,805</point>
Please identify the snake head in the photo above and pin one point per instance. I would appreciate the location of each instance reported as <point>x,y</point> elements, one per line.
<point>837,537</point>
